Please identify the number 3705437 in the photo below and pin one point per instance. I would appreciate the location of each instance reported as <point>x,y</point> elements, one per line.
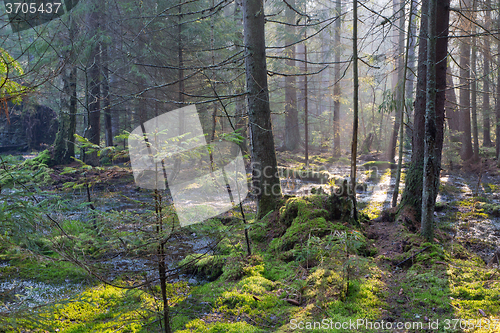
<point>32,7</point>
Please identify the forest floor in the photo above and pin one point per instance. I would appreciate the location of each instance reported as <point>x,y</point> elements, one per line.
<point>311,268</point>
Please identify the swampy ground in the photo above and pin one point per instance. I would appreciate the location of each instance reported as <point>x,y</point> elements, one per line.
<point>311,268</point>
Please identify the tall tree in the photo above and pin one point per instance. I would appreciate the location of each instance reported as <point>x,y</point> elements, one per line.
<point>430,161</point>
<point>94,82</point>
<point>497,107</point>
<point>465,52</point>
<point>292,136</point>
<point>106,96</point>
<point>486,79</point>
<point>451,108</point>
<point>395,194</point>
<point>105,62</point>
<point>473,103</point>
<point>336,84</point>
<point>410,85</point>
<point>354,144</point>
<point>412,195</point>
<point>64,145</point>
<point>399,9</point>
<point>241,112</point>
<point>265,177</point>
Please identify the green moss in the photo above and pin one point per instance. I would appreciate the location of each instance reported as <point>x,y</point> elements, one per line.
<point>199,326</point>
<point>98,309</point>
<point>379,165</point>
<point>276,270</point>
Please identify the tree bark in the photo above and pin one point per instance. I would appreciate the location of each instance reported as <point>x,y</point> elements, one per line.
<point>94,86</point>
<point>497,111</point>
<point>395,194</point>
<point>292,136</point>
<point>411,67</point>
<point>442,31</point>
<point>306,110</point>
<point>412,195</point>
<point>397,86</point>
<point>241,112</point>
<point>106,97</point>
<point>451,108</point>
<point>465,50</point>
<point>336,86</point>
<point>473,103</point>
<point>72,113</point>
<point>497,108</point>
<point>354,144</point>
<point>265,176</point>
<point>486,81</point>
<point>429,174</point>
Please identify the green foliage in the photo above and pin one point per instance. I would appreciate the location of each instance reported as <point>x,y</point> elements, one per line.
<point>10,72</point>
<point>51,270</point>
<point>30,172</point>
<point>389,103</point>
<point>44,158</point>
<point>205,266</point>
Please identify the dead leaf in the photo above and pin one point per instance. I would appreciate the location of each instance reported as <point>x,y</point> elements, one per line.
<point>400,292</point>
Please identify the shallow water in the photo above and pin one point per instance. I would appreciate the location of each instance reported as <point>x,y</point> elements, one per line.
<point>17,294</point>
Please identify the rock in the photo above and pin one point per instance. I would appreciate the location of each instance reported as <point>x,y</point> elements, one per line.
<point>30,125</point>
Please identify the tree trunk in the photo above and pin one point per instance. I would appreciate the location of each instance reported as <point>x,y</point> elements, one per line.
<point>451,108</point>
<point>395,194</point>
<point>497,109</point>
<point>336,85</point>
<point>473,103</point>
<point>292,136</point>
<point>64,145</point>
<point>72,113</point>
<point>94,86</point>
<point>465,49</point>
<point>430,165</point>
<point>106,97</point>
<point>354,144</point>
<point>442,29</point>
<point>397,86</point>
<point>265,177</point>
<point>486,81</point>
<point>73,100</point>
<point>412,195</point>
<point>411,67</point>
<point>241,112</point>
<point>306,110</point>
